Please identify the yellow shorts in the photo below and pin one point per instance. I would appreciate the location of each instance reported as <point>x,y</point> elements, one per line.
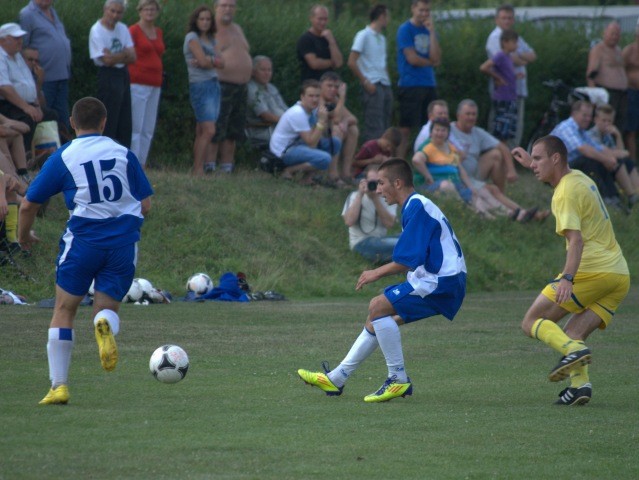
<point>600,292</point>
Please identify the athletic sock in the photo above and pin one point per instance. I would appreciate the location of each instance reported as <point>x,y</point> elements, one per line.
<point>112,318</point>
<point>363,346</point>
<point>226,167</point>
<point>579,376</point>
<point>552,335</point>
<point>11,223</point>
<point>59,348</point>
<point>390,341</point>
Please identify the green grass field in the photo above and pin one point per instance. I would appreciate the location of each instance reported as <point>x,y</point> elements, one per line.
<point>482,407</point>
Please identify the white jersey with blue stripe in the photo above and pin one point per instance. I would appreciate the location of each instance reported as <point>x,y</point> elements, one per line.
<point>103,185</point>
<point>429,247</point>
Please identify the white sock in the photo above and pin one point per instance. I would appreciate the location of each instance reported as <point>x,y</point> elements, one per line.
<point>226,167</point>
<point>364,345</point>
<point>390,341</point>
<point>111,317</point>
<point>59,348</point>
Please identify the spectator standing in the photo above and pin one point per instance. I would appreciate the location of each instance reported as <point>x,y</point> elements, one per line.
<point>606,69</point>
<point>630,55</point>
<point>317,49</point>
<point>501,69</point>
<point>591,157</point>
<point>418,52</point>
<point>298,137</point>
<point>368,218</point>
<point>238,66</point>
<point>111,49</point>
<point>367,61</point>
<point>524,55</point>
<point>265,103</point>
<point>204,87</point>
<point>46,34</point>
<point>146,77</point>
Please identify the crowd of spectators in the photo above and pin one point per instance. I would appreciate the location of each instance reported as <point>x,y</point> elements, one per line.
<point>318,138</point>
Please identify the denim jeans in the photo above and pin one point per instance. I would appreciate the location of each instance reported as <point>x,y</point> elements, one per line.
<point>319,157</point>
<point>377,249</point>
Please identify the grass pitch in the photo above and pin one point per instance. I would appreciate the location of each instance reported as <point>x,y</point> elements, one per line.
<point>482,407</point>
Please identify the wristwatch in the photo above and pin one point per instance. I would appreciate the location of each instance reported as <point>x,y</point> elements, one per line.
<point>567,276</point>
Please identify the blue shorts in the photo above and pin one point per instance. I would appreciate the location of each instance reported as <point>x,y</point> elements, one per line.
<point>78,264</point>
<point>410,306</point>
<point>505,123</point>
<point>205,100</point>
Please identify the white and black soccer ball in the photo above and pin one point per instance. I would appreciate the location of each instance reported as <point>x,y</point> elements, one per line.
<point>146,286</point>
<point>135,292</point>
<point>200,284</point>
<point>169,364</point>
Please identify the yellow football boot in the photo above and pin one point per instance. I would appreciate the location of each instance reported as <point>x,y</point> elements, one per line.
<point>56,396</point>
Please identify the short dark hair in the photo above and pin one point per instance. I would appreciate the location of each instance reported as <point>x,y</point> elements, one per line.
<point>505,7</point>
<point>605,108</point>
<point>435,103</point>
<point>578,105</point>
<point>442,122</point>
<point>397,168</point>
<point>415,2</point>
<point>377,11</point>
<point>88,113</point>
<point>330,75</point>
<point>508,35</point>
<point>552,145</point>
<point>193,20</point>
<point>308,83</point>
<point>393,135</point>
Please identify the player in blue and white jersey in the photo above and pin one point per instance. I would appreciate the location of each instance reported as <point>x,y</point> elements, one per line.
<point>429,252</point>
<point>107,194</point>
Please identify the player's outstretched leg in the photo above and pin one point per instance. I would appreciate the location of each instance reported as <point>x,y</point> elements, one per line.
<point>56,396</point>
<point>575,396</point>
<point>107,325</point>
<point>391,389</point>
<point>321,380</point>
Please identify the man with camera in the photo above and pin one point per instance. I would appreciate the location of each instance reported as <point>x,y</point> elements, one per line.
<point>341,124</point>
<point>368,218</point>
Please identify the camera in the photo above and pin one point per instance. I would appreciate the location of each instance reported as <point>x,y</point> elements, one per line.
<point>372,186</point>
<point>330,107</point>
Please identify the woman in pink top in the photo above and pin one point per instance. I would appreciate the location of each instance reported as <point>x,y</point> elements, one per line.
<point>146,77</point>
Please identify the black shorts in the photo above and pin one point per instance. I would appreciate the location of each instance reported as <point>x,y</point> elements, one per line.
<point>232,120</point>
<point>413,105</point>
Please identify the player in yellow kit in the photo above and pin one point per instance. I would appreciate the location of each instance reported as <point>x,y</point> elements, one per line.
<point>595,278</point>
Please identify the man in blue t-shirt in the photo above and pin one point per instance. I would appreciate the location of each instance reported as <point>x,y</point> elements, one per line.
<point>107,194</point>
<point>418,52</point>
<point>430,255</point>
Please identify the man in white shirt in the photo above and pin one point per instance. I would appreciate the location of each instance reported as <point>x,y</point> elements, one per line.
<point>505,20</point>
<point>111,49</point>
<point>367,61</point>
<point>298,137</point>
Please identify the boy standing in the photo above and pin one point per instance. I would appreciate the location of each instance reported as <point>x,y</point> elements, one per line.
<point>504,97</point>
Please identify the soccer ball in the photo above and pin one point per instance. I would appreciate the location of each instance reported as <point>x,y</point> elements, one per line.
<point>135,292</point>
<point>169,364</point>
<point>200,284</point>
<point>146,286</point>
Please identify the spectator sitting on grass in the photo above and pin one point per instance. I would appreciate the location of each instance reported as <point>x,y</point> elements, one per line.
<point>368,218</point>
<point>376,151</point>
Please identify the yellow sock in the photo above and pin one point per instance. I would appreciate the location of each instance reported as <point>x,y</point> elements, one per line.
<point>579,376</point>
<point>11,221</point>
<point>552,335</point>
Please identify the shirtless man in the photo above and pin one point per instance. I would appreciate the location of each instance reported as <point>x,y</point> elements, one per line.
<point>630,55</point>
<point>234,77</point>
<point>606,69</point>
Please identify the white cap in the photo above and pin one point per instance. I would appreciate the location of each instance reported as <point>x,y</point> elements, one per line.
<point>11,30</point>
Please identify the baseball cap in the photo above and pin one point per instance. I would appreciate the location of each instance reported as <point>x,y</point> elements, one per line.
<point>11,30</point>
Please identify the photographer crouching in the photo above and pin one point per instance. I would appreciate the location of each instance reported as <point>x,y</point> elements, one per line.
<point>368,218</point>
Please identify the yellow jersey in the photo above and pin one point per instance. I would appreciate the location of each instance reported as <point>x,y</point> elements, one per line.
<point>577,205</point>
